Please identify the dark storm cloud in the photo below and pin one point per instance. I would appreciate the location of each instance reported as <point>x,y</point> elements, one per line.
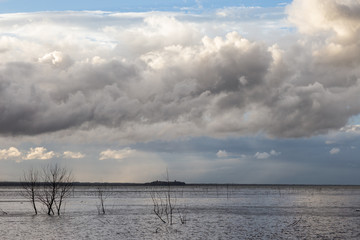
<point>149,80</point>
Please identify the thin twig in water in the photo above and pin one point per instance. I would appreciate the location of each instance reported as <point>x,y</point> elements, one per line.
<point>294,223</point>
<point>3,212</point>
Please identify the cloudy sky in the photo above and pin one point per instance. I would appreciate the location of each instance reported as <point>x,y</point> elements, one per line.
<point>214,91</point>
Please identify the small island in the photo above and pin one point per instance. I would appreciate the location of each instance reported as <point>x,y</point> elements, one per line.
<point>165,183</point>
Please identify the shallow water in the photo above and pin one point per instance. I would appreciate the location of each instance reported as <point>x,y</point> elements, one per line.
<point>212,212</point>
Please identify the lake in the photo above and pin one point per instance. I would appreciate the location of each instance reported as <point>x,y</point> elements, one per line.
<point>210,211</point>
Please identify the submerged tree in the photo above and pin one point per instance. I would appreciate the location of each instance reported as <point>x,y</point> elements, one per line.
<point>30,184</point>
<point>165,204</point>
<point>66,184</point>
<point>57,185</point>
<point>102,193</point>
<point>51,187</point>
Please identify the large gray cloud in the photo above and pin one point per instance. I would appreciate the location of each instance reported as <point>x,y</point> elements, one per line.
<point>161,76</point>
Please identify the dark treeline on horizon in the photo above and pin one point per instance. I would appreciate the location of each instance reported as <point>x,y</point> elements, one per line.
<point>15,184</point>
<point>165,183</point>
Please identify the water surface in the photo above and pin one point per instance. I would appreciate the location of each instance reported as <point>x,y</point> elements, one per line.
<point>211,211</point>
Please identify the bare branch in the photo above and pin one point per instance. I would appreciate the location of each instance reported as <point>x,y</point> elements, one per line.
<point>30,184</point>
<point>57,183</point>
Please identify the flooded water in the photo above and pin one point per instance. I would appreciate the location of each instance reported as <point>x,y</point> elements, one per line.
<point>211,212</point>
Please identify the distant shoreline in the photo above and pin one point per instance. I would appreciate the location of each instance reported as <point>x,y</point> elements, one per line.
<point>164,183</point>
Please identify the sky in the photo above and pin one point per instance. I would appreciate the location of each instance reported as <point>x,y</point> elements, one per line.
<point>15,6</point>
<point>248,92</point>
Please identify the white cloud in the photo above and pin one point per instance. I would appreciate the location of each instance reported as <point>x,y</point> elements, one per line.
<point>314,16</point>
<point>56,58</point>
<point>75,155</point>
<point>39,153</point>
<point>334,151</point>
<point>274,153</point>
<point>12,152</point>
<point>335,23</point>
<point>116,154</point>
<point>354,129</point>
<point>221,154</point>
<point>263,155</point>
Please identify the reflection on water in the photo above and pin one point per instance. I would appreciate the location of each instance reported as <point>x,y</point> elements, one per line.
<point>213,212</point>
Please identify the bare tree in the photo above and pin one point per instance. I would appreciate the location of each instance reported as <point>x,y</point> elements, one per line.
<point>171,201</point>
<point>102,192</point>
<point>165,204</point>
<point>56,186</point>
<point>182,215</point>
<point>30,184</point>
<point>160,206</point>
<point>65,186</point>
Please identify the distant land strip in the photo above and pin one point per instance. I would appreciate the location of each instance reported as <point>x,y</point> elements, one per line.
<point>179,183</point>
